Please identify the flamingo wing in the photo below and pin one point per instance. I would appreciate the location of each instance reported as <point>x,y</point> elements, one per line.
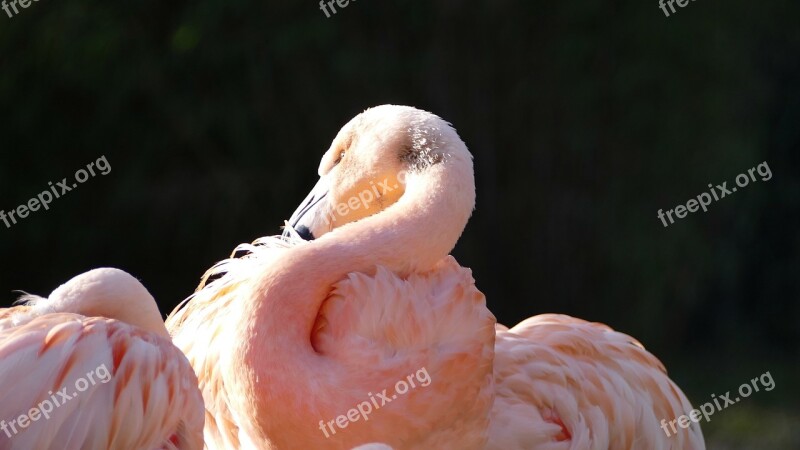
<point>200,327</point>
<point>72,382</point>
<point>384,327</point>
<point>199,330</point>
<point>564,383</point>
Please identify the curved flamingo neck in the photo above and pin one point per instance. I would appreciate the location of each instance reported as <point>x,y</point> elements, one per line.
<point>411,235</point>
<point>274,339</point>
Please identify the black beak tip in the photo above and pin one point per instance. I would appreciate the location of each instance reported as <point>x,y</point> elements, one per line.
<point>304,233</point>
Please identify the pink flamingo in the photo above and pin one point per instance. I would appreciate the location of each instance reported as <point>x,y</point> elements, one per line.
<point>292,340</point>
<point>92,367</point>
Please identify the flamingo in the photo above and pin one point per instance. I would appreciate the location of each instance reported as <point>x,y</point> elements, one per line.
<point>293,334</point>
<point>92,367</point>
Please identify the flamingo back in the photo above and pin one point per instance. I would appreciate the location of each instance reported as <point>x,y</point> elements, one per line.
<point>72,382</point>
<point>564,383</point>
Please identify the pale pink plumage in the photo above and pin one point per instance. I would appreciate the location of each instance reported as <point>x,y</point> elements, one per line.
<point>295,333</point>
<point>372,331</point>
<point>564,383</point>
<point>149,398</point>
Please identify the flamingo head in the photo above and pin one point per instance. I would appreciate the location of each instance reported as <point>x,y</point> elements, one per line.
<point>372,162</point>
<point>104,292</point>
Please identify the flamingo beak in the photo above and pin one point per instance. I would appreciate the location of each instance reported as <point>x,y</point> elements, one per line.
<point>310,220</point>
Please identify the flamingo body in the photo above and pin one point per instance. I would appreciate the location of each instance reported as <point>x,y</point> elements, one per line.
<point>295,333</point>
<point>564,383</point>
<point>96,382</point>
<point>373,331</point>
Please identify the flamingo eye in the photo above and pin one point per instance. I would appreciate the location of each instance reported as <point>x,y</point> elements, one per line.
<point>339,159</point>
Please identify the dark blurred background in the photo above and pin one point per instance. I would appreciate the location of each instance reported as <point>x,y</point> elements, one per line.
<point>585,119</point>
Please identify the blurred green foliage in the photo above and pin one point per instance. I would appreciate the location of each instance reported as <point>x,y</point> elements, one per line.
<point>585,118</point>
